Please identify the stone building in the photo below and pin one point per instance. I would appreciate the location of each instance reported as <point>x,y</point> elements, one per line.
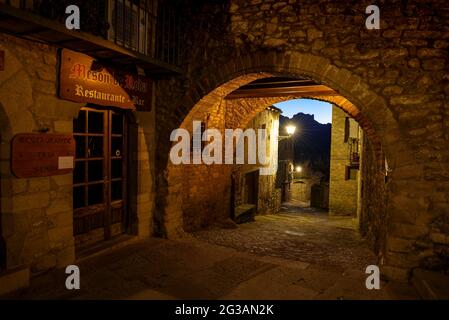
<point>309,187</point>
<point>393,81</point>
<point>59,202</point>
<point>286,164</point>
<point>345,178</point>
<point>255,185</point>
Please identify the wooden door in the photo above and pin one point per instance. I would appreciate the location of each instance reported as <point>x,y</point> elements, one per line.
<point>99,178</point>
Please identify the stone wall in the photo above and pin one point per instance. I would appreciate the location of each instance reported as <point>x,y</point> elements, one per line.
<point>36,213</point>
<point>373,213</point>
<point>304,180</point>
<point>268,194</point>
<point>206,189</point>
<point>395,81</point>
<point>343,192</point>
<point>206,196</point>
<point>301,188</point>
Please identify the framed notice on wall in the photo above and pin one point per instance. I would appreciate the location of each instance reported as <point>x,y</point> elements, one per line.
<point>86,80</point>
<point>42,154</point>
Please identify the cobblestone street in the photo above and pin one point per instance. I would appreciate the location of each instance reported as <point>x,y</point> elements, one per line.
<point>299,233</point>
<point>285,256</point>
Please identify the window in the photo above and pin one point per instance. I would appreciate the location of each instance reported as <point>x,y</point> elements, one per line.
<point>132,24</point>
<point>346,138</point>
<point>353,150</point>
<point>267,135</point>
<point>351,173</point>
<point>351,129</point>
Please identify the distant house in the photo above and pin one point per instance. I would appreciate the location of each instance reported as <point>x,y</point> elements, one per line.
<point>256,192</point>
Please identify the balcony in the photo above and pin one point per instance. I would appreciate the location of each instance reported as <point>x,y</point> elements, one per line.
<point>354,154</point>
<point>143,33</point>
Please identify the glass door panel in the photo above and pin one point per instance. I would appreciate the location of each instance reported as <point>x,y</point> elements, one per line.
<point>99,176</point>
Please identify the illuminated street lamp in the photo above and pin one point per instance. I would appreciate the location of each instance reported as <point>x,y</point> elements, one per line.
<point>298,169</point>
<point>290,130</point>
<point>287,160</point>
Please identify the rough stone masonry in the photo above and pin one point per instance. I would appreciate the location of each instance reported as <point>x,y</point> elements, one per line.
<point>395,80</point>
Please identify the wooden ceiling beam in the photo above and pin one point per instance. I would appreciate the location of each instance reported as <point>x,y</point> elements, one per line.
<point>298,91</point>
<point>290,83</point>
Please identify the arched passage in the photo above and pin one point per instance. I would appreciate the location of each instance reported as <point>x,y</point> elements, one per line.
<point>207,95</point>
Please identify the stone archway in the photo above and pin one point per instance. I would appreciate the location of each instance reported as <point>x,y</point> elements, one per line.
<point>360,101</point>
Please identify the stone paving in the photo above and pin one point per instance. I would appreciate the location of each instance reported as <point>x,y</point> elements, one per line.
<point>193,268</point>
<point>300,233</point>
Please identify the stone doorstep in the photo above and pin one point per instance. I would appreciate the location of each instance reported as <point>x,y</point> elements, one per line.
<point>244,213</point>
<point>15,279</point>
<point>431,285</point>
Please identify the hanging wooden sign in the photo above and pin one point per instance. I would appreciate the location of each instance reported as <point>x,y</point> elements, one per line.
<point>86,80</point>
<point>42,154</point>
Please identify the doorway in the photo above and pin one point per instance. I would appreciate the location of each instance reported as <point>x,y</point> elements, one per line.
<point>100,210</point>
<point>251,191</point>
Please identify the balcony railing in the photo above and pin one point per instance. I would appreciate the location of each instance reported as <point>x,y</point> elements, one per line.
<point>150,28</point>
<point>354,154</point>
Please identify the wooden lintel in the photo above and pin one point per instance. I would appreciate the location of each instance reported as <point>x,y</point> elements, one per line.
<point>299,91</point>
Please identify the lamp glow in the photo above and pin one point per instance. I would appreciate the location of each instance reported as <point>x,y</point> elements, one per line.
<point>298,169</point>
<point>290,130</point>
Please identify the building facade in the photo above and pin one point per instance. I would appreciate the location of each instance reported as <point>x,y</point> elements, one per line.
<point>345,177</point>
<point>255,185</point>
<point>286,164</point>
<point>77,134</point>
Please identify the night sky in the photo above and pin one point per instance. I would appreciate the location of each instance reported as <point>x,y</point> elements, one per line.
<point>321,110</point>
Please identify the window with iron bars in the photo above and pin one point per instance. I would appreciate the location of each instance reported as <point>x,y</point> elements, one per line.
<point>150,27</point>
<point>354,155</point>
<point>133,24</point>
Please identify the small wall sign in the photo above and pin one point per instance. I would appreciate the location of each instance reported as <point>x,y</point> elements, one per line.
<point>86,80</point>
<point>42,154</point>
